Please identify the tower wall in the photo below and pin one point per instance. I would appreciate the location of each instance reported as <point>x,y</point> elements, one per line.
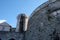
<point>22,21</point>
<point>44,23</point>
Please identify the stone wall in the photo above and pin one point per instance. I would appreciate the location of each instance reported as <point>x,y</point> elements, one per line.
<point>43,25</point>
<point>5,35</point>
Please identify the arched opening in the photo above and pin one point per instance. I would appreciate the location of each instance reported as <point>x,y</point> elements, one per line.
<point>12,39</point>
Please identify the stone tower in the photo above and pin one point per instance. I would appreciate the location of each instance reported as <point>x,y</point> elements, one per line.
<point>44,22</point>
<point>22,21</point>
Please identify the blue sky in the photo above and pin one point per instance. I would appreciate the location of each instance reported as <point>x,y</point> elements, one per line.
<point>9,9</point>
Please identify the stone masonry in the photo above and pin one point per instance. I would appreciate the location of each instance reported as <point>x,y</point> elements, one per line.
<point>44,22</point>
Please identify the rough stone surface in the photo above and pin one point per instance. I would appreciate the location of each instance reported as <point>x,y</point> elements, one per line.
<point>10,35</point>
<point>44,24</point>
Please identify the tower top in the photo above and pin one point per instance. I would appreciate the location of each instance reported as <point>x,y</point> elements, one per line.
<point>24,15</point>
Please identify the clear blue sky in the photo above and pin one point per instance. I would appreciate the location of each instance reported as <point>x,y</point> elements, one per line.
<point>9,9</point>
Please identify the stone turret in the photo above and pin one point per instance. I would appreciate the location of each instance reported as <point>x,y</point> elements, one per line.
<point>22,21</point>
